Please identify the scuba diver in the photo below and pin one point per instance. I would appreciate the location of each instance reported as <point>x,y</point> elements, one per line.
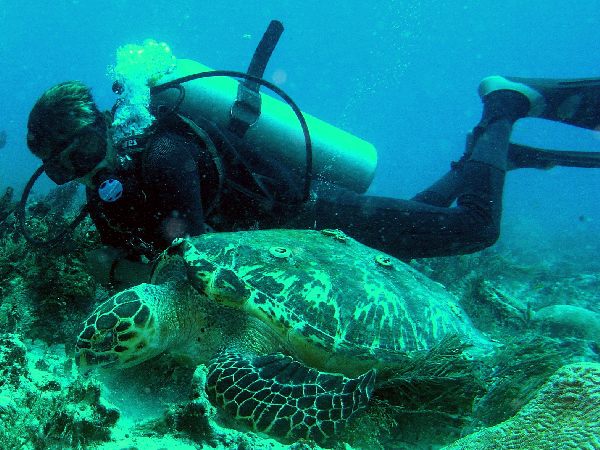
<point>183,177</point>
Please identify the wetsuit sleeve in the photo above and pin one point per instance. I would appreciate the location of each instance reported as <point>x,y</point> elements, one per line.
<point>172,174</point>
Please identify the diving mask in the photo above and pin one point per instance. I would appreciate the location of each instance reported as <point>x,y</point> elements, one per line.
<point>80,157</point>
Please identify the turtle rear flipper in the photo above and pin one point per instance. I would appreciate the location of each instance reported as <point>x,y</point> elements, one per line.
<point>280,396</point>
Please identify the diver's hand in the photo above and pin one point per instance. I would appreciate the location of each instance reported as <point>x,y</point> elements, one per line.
<point>100,260</point>
<point>125,273</point>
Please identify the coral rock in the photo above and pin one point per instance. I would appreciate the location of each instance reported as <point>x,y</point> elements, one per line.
<point>569,321</point>
<point>564,414</point>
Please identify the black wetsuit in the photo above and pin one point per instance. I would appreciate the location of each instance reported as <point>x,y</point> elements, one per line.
<point>169,187</point>
<point>172,188</point>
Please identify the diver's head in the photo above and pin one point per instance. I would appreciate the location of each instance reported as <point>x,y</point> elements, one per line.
<point>67,131</point>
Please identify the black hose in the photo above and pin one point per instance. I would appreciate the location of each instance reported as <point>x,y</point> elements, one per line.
<point>21,214</point>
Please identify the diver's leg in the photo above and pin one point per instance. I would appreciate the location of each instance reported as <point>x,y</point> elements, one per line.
<point>491,150</point>
<point>444,191</point>
<point>403,228</point>
<point>409,229</point>
<point>571,101</point>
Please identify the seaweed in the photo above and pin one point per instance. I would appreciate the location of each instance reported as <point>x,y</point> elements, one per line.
<point>517,371</point>
<point>374,429</point>
<point>432,394</point>
<point>7,205</point>
<point>440,380</point>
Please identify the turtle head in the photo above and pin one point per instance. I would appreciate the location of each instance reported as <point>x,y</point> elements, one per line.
<point>122,332</point>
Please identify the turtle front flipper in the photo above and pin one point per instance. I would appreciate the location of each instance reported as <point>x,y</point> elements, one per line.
<point>279,396</point>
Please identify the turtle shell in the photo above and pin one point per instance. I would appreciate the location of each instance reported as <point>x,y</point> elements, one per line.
<point>336,305</point>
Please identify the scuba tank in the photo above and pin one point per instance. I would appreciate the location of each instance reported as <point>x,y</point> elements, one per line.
<point>338,156</point>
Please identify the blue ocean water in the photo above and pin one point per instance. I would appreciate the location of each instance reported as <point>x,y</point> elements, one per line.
<point>402,75</point>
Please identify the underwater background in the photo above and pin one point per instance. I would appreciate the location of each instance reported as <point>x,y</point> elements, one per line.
<point>402,75</point>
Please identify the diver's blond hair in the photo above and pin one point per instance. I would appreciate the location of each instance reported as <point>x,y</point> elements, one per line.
<point>58,115</point>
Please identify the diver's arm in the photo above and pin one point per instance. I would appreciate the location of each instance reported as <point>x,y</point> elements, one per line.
<point>176,181</point>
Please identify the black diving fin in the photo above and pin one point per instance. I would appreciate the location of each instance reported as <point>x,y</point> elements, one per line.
<point>523,156</point>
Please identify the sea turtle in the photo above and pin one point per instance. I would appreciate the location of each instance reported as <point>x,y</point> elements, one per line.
<point>293,325</point>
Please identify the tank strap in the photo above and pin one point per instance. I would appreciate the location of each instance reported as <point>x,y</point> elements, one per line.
<point>245,111</point>
<point>203,135</point>
<point>134,144</point>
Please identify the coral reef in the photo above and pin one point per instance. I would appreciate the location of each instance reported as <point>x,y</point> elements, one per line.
<point>542,317</point>
<point>184,424</point>
<point>42,403</point>
<point>494,310</point>
<point>504,299</point>
<point>565,413</point>
<point>45,290</point>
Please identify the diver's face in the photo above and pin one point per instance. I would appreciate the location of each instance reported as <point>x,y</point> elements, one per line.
<point>78,159</point>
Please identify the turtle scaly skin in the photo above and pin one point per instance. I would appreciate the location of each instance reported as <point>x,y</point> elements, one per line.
<point>293,325</point>
<point>277,395</point>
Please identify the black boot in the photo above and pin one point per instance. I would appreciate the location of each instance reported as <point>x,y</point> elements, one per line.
<point>488,142</point>
<point>571,101</point>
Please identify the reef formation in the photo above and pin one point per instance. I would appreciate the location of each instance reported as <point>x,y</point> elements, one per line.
<point>542,318</point>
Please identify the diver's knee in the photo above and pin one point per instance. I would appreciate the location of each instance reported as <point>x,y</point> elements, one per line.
<point>489,236</point>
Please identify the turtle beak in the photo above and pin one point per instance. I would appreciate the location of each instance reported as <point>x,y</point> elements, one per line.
<point>87,360</point>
